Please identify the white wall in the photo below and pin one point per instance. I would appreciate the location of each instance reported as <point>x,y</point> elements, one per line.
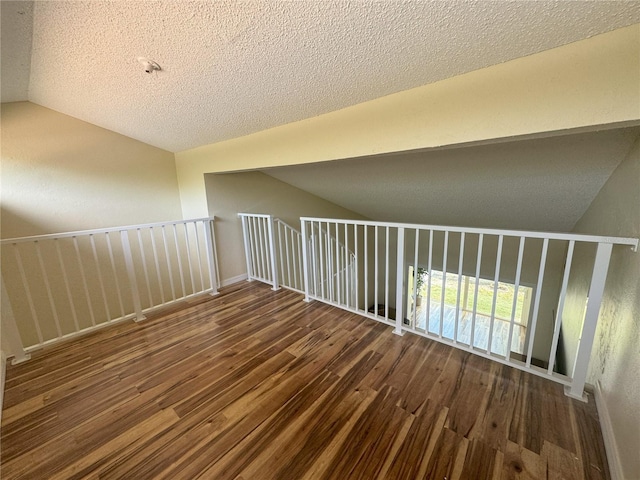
<point>615,360</point>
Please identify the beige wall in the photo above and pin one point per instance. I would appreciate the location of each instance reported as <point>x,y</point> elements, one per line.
<point>62,174</point>
<point>615,360</point>
<point>255,192</point>
<point>584,84</point>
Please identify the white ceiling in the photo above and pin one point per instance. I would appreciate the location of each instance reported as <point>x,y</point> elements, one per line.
<point>232,68</point>
<point>542,184</point>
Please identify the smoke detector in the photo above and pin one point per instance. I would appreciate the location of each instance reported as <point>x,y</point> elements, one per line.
<point>149,65</point>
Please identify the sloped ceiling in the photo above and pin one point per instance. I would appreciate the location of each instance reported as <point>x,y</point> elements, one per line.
<point>233,68</point>
<point>542,184</point>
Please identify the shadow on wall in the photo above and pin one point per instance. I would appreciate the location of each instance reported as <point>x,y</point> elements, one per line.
<point>254,192</point>
<point>71,175</point>
<point>13,225</point>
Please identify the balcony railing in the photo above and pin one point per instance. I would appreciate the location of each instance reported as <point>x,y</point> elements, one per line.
<point>64,285</point>
<point>382,253</point>
<point>68,284</point>
<point>274,253</point>
<point>289,251</point>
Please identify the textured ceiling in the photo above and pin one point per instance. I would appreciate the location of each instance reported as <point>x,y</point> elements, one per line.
<point>232,68</point>
<point>16,22</point>
<point>543,184</point>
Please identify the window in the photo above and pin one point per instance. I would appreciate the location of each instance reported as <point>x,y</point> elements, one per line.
<point>462,292</point>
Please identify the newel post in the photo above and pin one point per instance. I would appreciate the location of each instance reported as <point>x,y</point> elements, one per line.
<point>211,255</point>
<point>596,292</point>
<point>305,267</point>
<point>273,254</point>
<point>247,247</point>
<point>400,283</point>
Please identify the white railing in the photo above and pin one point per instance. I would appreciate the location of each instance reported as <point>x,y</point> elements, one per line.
<point>333,264</point>
<point>258,233</point>
<point>383,253</point>
<point>289,251</point>
<point>274,255</point>
<point>63,285</point>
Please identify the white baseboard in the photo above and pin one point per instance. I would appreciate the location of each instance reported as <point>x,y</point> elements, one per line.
<point>610,446</point>
<point>3,374</point>
<point>230,281</point>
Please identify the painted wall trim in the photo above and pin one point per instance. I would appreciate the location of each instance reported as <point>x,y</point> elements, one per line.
<point>230,281</point>
<point>615,466</point>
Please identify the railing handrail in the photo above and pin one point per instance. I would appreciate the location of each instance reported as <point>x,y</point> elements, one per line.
<point>291,258</point>
<point>338,242</point>
<point>52,236</point>
<point>287,225</point>
<point>259,215</point>
<point>386,291</point>
<point>276,219</point>
<point>633,242</point>
<point>299,233</point>
<point>189,252</point>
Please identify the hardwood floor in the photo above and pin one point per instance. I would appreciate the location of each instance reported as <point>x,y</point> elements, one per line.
<point>255,384</point>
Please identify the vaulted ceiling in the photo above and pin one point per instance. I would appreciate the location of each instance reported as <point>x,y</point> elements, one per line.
<point>233,68</point>
<point>543,184</point>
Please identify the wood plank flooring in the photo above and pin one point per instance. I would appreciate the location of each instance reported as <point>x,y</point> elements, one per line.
<point>255,384</point>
